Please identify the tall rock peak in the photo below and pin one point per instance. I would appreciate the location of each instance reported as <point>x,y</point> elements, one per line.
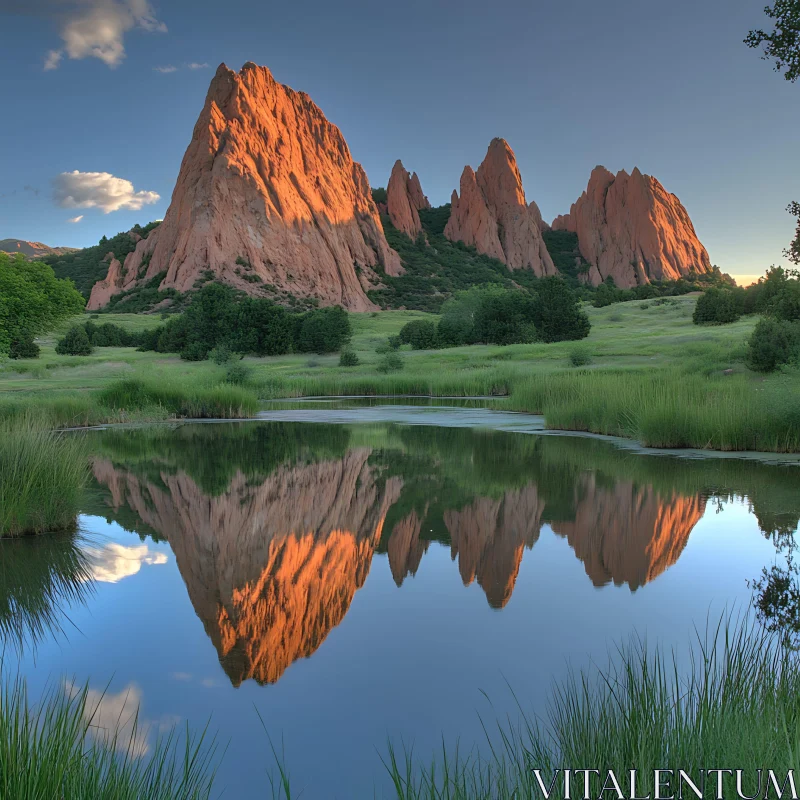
<point>630,228</point>
<point>404,199</point>
<point>267,193</point>
<point>492,214</point>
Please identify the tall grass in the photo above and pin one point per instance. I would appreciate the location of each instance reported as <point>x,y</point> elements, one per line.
<point>48,750</point>
<point>736,706</point>
<point>223,400</point>
<point>668,408</point>
<point>42,474</point>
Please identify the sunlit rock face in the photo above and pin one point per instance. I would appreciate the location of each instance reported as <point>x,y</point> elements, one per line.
<point>404,200</point>
<point>268,182</point>
<point>631,229</point>
<point>629,534</point>
<point>271,568</point>
<point>492,215</point>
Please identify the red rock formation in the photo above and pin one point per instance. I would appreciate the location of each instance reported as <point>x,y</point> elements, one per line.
<point>267,180</point>
<point>631,229</point>
<point>492,214</point>
<point>488,537</point>
<point>404,199</point>
<point>629,534</point>
<point>271,568</point>
<point>103,290</point>
<point>405,547</point>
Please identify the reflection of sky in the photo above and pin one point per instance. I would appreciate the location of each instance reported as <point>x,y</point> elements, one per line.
<point>114,718</point>
<point>409,662</point>
<point>112,562</point>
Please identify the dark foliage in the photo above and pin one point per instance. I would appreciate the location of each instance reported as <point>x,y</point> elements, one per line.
<point>774,342</point>
<point>718,307</point>
<point>557,314</point>
<point>75,343</point>
<point>420,334</point>
<point>781,45</point>
<point>24,347</point>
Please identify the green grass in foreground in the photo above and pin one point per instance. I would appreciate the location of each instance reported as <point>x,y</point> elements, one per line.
<point>648,374</point>
<point>52,750</point>
<point>42,474</point>
<point>735,705</point>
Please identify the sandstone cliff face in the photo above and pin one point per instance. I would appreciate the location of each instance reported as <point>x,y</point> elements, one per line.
<point>267,180</point>
<point>629,534</point>
<point>103,290</point>
<point>404,200</point>
<point>492,214</point>
<point>631,229</point>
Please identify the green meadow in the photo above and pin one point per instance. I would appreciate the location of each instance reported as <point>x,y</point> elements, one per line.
<point>645,372</point>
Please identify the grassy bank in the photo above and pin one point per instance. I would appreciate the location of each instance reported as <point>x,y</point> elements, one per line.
<point>647,373</point>
<point>52,750</point>
<point>738,705</point>
<point>42,474</point>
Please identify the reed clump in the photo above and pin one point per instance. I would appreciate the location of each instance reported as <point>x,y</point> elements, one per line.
<point>42,475</point>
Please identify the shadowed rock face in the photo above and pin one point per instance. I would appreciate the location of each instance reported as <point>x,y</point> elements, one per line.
<point>267,180</point>
<point>632,230</point>
<point>492,214</point>
<point>404,199</point>
<point>629,534</point>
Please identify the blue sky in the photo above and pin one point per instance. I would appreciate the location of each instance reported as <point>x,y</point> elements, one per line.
<point>665,86</point>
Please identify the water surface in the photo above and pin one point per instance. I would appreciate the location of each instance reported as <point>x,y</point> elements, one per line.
<point>373,577</point>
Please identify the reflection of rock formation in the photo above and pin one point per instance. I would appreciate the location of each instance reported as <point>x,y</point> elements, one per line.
<point>270,568</point>
<point>629,534</point>
<point>488,537</point>
<point>406,548</point>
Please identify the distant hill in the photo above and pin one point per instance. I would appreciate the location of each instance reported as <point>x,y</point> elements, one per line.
<point>32,249</point>
<point>89,265</point>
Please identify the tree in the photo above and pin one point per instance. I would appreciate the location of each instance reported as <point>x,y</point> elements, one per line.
<point>324,330</point>
<point>773,342</point>
<point>420,334</point>
<point>557,313</point>
<point>75,343</point>
<point>782,45</point>
<point>32,299</point>
<point>716,306</point>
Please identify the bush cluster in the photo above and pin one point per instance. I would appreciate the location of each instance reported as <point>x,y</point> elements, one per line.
<point>218,317</point>
<point>497,315</point>
<point>75,343</point>
<point>718,307</point>
<point>775,341</point>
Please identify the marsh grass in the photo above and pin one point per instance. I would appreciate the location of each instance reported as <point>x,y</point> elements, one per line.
<point>50,750</point>
<point>737,705</point>
<point>42,475</point>
<point>668,408</point>
<point>224,400</point>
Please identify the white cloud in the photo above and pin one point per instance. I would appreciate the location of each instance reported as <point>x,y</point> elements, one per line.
<point>195,65</point>
<point>165,70</point>
<point>75,220</point>
<point>113,562</point>
<point>53,59</point>
<point>99,190</point>
<point>96,28</point>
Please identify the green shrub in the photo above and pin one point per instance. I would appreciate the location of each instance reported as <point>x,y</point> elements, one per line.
<point>716,307</point>
<point>238,374</point>
<point>557,313</point>
<point>391,362</point>
<point>580,356</point>
<point>24,348</point>
<point>221,354</point>
<point>420,334</point>
<point>348,358</point>
<point>323,330</point>
<point>773,342</point>
<point>75,343</point>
